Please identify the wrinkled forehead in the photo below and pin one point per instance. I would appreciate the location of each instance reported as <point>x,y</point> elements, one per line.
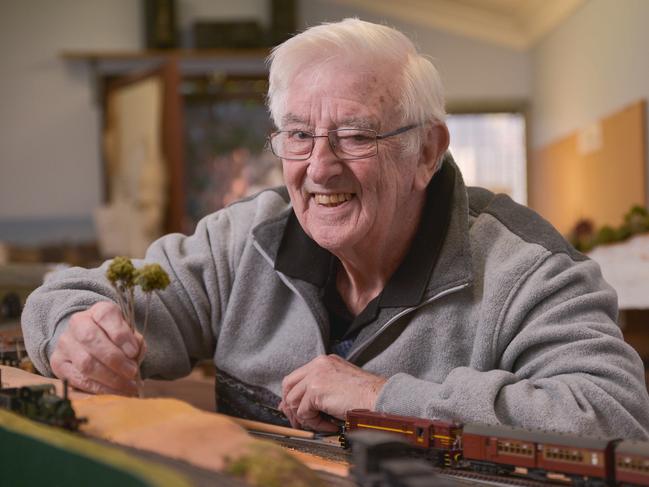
<point>376,87</point>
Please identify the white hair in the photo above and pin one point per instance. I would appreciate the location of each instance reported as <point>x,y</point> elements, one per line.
<point>422,98</point>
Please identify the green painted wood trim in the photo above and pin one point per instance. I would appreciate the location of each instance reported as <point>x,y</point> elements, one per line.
<point>36,454</point>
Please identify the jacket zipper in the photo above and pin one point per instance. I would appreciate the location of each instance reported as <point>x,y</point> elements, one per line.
<point>292,288</point>
<point>365,344</point>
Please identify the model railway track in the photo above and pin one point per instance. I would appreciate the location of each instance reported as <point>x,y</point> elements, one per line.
<point>328,451</point>
<point>454,473</point>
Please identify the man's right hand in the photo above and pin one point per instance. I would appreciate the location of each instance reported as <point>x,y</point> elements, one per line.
<point>98,351</point>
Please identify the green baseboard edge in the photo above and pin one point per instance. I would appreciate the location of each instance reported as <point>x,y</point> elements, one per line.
<point>32,454</point>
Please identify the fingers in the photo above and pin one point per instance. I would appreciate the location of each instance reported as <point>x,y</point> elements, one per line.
<point>309,415</point>
<point>139,338</point>
<point>300,401</point>
<point>77,379</point>
<point>307,398</point>
<point>329,385</point>
<point>295,395</point>
<point>293,378</point>
<point>288,412</point>
<point>308,419</point>
<point>321,424</point>
<point>97,352</point>
<point>87,339</point>
<point>291,402</point>
<point>84,362</point>
<point>109,317</point>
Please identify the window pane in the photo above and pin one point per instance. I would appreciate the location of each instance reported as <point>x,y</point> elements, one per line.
<point>489,148</point>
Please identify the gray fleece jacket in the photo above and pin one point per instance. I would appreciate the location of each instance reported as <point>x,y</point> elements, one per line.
<point>509,324</point>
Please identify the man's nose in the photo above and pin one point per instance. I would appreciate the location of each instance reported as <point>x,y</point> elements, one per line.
<point>323,163</point>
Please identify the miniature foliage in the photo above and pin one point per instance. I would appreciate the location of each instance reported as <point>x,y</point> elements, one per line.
<point>151,277</point>
<point>269,466</point>
<point>124,278</point>
<point>121,271</point>
<point>585,238</point>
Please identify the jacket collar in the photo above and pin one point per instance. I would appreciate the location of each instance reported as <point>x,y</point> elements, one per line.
<point>438,258</point>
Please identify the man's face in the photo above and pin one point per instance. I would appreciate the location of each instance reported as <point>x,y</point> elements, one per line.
<point>345,205</point>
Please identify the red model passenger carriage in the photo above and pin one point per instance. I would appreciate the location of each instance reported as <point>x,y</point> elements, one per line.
<point>632,463</point>
<point>502,449</point>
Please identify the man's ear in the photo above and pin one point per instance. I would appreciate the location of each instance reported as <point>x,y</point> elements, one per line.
<point>434,143</point>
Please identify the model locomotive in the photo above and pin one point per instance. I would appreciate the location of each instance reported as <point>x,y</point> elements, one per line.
<point>383,460</point>
<point>504,450</point>
<point>40,403</point>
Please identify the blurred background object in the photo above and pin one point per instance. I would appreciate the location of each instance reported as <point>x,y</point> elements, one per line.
<point>136,174</point>
<point>160,22</point>
<point>17,281</point>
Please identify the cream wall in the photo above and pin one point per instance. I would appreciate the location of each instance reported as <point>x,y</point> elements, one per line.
<point>590,66</point>
<point>471,70</point>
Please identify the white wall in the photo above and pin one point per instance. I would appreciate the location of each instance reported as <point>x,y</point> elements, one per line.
<point>592,65</point>
<point>49,162</point>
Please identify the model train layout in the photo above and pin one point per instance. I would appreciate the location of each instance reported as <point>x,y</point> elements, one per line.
<point>41,403</point>
<point>503,450</point>
<point>385,459</point>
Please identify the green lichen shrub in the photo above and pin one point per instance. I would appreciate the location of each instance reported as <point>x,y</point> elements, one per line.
<point>637,220</point>
<point>584,238</point>
<point>151,277</point>
<point>606,234</point>
<point>268,465</point>
<point>121,272</point>
<point>623,232</point>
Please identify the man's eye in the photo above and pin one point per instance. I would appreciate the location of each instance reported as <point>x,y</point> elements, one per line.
<point>361,137</point>
<point>355,137</point>
<point>299,135</point>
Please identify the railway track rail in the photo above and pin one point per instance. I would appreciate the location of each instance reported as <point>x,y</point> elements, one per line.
<point>331,451</point>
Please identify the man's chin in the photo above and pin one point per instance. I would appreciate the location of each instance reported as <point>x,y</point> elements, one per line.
<point>335,238</point>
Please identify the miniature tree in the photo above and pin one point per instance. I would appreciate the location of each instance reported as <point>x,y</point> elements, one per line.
<point>150,278</point>
<point>124,277</point>
<point>121,275</point>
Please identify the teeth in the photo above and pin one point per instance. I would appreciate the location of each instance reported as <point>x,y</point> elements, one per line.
<point>332,199</point>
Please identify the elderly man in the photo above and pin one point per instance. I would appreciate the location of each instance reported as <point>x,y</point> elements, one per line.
<point>375,279</point>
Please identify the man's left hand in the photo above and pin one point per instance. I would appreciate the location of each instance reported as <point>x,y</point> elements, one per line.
<point>330,385</point>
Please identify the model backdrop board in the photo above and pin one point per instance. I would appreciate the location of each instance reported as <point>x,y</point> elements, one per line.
<point>597,173</point>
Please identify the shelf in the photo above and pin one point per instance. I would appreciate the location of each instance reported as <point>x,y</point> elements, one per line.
<point>180,54</point>
<point>189,61</point>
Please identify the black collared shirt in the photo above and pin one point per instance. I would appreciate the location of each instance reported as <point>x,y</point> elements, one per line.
<point>301,257</point>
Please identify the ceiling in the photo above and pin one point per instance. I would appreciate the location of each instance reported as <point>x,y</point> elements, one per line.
<point>517,24</point>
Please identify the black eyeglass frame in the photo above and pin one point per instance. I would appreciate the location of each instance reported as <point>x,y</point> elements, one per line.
<point>345,157</point>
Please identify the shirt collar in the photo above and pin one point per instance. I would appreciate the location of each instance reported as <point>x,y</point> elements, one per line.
<point>301,257</point>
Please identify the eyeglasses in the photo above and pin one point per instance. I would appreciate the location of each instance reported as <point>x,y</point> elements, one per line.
<point>347,144</point>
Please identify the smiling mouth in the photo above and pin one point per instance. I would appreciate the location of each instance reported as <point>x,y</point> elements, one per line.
<point>332,200</point>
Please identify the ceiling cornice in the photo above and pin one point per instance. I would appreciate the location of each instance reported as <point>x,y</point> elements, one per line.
<point>517,24</point>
